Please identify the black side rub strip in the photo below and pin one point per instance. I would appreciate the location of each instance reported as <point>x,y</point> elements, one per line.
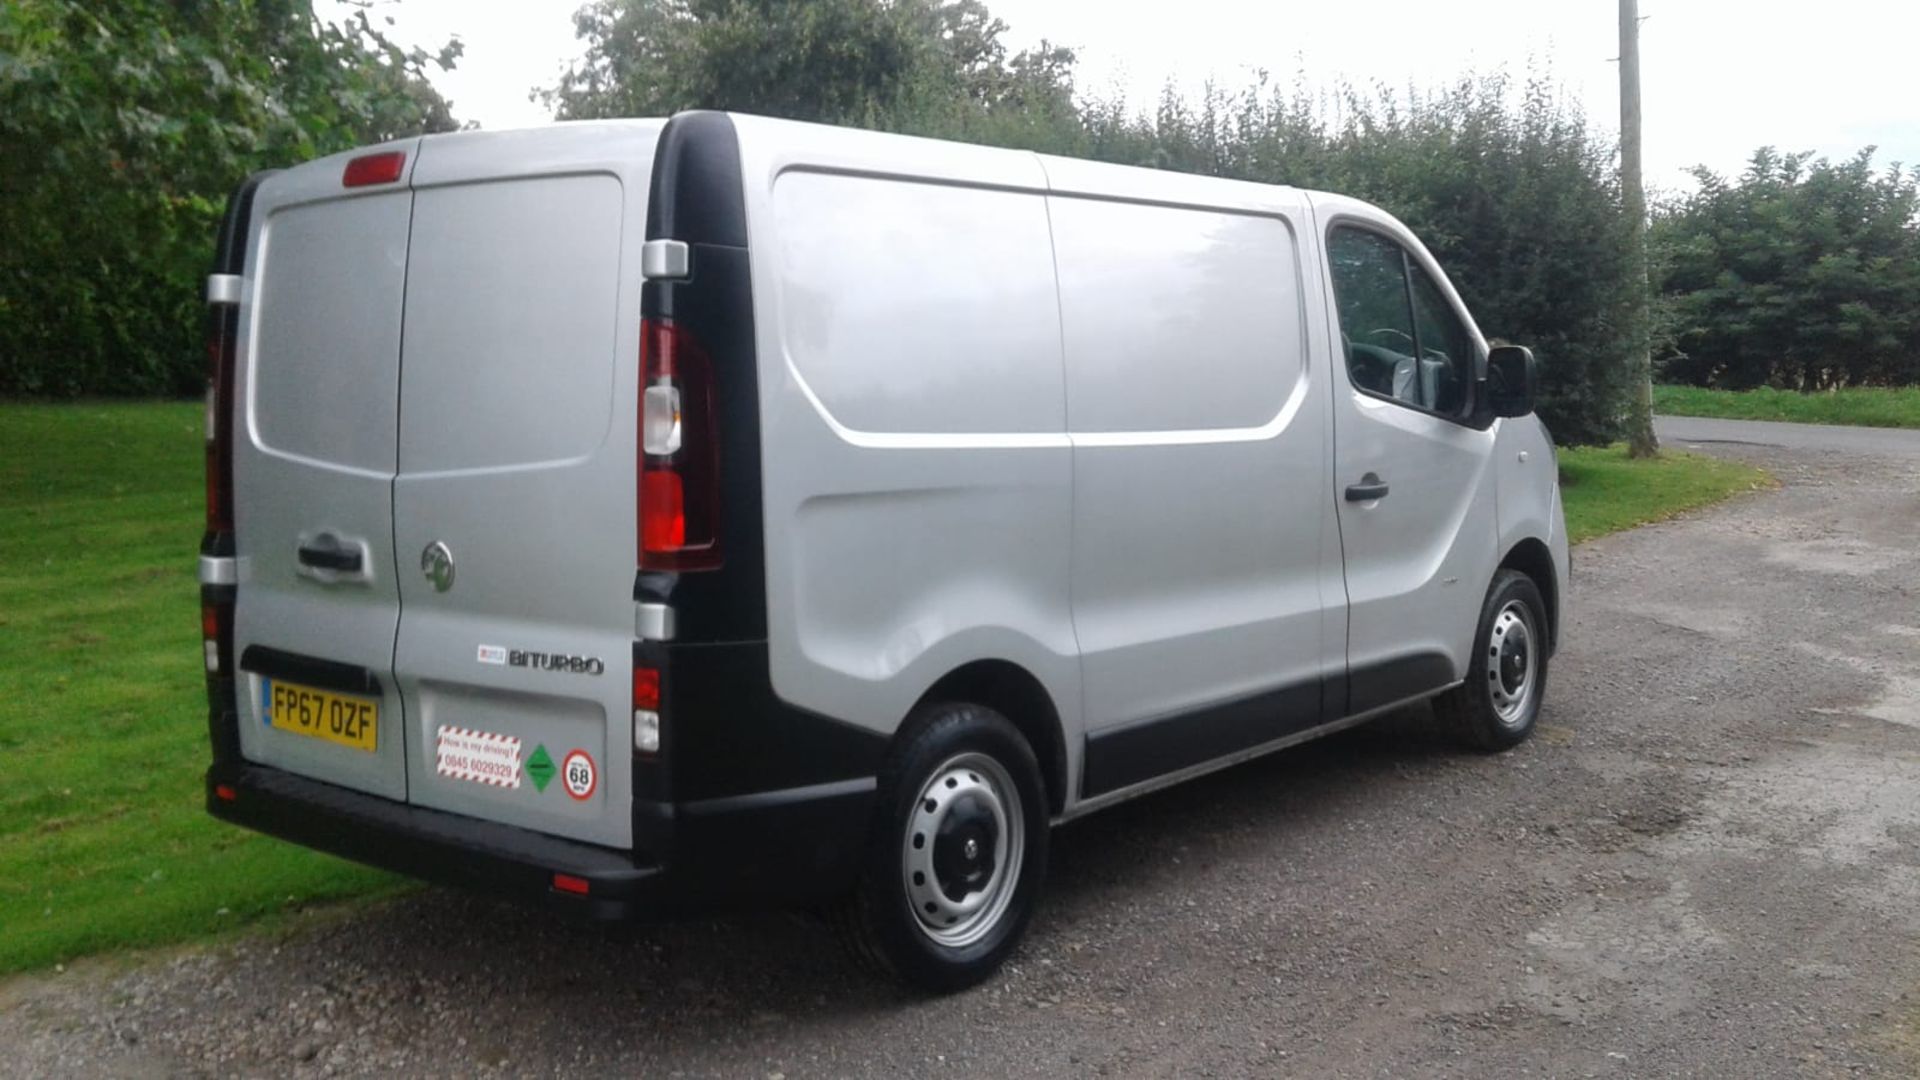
<point>1124,756</point>
<point>1148,749</point>
<point>309,671</point>
<point>1396,680</point>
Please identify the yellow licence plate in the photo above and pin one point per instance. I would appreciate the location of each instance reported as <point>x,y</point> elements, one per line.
<point>323,714</point>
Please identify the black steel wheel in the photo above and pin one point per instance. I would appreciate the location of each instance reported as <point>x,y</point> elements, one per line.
<point>1496,708</point>
<point>958,851</point>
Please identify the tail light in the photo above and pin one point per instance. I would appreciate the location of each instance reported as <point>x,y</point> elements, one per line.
<point>220,418</point>
<point>216,636</point>
<point>646,710</point>
<point>678,490</point>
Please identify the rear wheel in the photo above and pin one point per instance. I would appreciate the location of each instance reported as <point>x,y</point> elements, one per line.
<point>958,851</point>
<point>1496,707</point>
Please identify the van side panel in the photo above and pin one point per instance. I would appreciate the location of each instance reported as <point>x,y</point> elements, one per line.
<point>917,478</point>
<point>916,308</point>
<point>1202,568</point>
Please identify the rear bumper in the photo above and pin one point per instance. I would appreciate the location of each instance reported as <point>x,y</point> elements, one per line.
<point>774,849</point>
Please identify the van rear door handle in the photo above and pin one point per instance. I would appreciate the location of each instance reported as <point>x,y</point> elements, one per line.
<point>339,560</point>
<point>1369,488</point>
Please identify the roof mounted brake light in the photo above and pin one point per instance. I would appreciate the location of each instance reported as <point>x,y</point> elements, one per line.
<point>382,168</point>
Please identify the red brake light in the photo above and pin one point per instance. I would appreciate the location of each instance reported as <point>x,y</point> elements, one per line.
<point>646,688</point>
<point>567,883</point>
<point>381,168</point>
<point>663,513</point>
<point>678,487</point>
<point>225,793</point>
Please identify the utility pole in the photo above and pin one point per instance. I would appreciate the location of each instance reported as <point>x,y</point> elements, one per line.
<point>1640,438</point>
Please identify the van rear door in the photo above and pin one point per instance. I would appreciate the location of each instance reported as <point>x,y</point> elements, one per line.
<point>514,507</point>
<point>315,447</point>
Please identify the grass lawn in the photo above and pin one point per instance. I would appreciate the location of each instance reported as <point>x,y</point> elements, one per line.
<point>1605,491</point>
<point>103,842</point>
<point>1861,407</point>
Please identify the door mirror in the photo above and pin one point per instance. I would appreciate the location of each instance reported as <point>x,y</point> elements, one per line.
<point>1510,381</point>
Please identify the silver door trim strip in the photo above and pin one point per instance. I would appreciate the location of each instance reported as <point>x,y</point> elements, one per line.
<point>1147,787</point>
<point>1050,440</point>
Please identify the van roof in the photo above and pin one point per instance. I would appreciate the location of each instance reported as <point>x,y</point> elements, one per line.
<point>1064,174</point>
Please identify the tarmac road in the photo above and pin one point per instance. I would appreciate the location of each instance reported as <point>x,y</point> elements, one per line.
<point>1706,863</point>
<point>1812,438</point>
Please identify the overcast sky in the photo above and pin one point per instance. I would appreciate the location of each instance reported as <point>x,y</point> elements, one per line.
<point>1720,77</point>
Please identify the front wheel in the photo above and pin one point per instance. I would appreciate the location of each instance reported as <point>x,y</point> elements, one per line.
<point>1495,709</point>
<point>958,851</point>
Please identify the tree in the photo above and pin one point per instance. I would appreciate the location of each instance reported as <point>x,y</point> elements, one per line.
<point>1801,274</point>
<point>123,127</point>
<point>931,67</point>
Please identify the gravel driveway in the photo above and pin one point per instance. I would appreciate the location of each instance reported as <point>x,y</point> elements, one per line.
<point>1707,862</point>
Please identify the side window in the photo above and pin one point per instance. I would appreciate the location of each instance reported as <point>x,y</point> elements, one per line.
<point>1376,324</point>
<point>1401,338</point>
<point>1446,349</point>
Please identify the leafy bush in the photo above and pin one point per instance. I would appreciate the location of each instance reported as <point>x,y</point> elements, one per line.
<point>1801,275</point>
<point>1514,194</point>
<point>123,127</point>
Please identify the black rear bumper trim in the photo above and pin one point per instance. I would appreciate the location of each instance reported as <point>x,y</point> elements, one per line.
<point>789,848</point>
<point>448,848</point>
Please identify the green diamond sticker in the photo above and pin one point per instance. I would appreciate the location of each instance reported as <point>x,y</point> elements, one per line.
<point>540,768</point>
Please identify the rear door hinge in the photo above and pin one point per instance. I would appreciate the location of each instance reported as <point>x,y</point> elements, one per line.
<point>223,288</point>
<point>665,260</point>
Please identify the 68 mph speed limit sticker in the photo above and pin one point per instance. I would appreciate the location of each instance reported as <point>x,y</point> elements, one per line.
<point>579,775</point>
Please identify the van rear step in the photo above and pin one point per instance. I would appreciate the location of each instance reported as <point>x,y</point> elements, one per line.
<point>451,849</point>
<point>798,847</point>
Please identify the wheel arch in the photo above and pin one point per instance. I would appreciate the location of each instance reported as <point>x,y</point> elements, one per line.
<point>1531,557</point>
<point>1016,694</point>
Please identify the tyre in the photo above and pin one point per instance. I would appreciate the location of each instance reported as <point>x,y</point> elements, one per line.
<point>957,852</point>
<point>1496,707</point>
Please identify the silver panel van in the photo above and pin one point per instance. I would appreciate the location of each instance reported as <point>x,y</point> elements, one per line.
<point>659,516</point>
